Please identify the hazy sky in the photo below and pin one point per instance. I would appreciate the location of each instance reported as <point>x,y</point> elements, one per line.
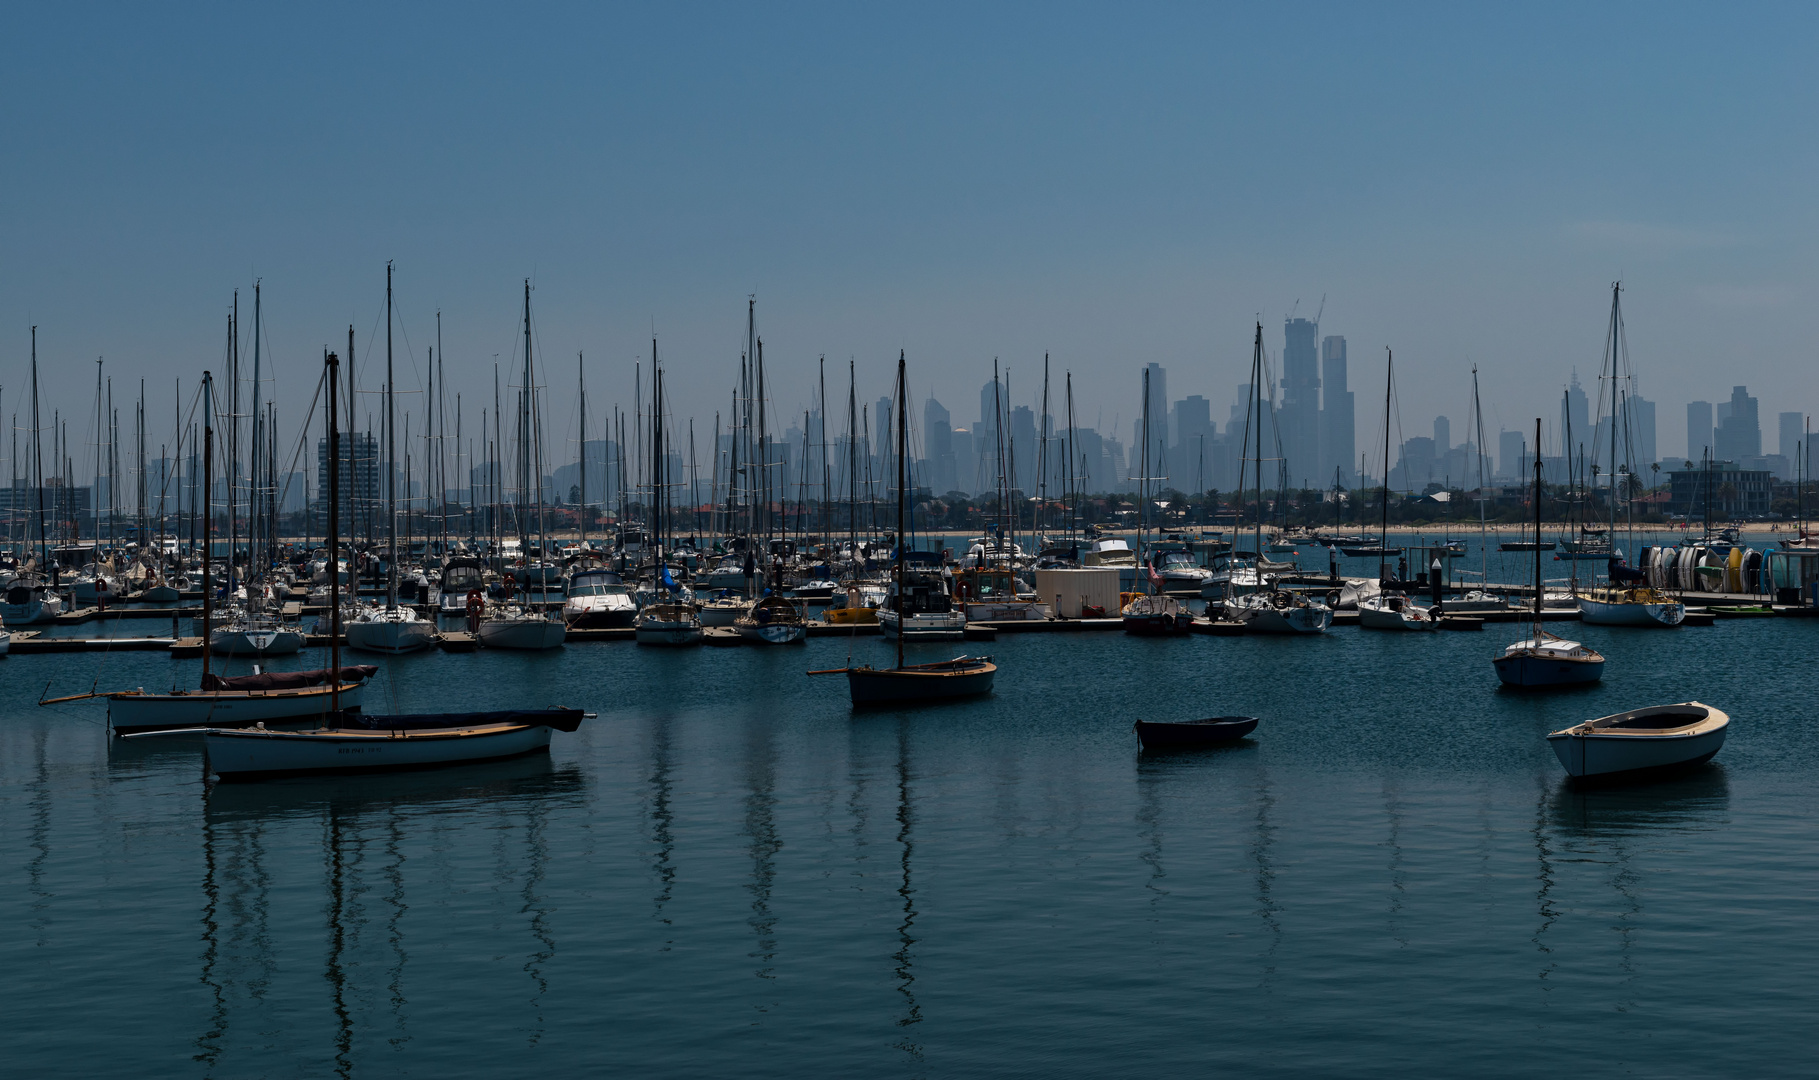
<point>1109,184</point>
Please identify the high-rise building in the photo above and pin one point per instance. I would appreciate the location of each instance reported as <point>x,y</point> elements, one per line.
<point>1022,448</point>
<point>1338,416</point>
<point>1792,428</point>
<point>359,476</point>
<point>1158,384</point>
<point>1739,436</point>
<point>1698,430</point>
<point>1575,422</point>
<point>1192,422</point>
<point>1443,435</point>
<point>1512,455</point>
<point>938,447</point>
<point>1642,435</point>
<point>1299,415</point>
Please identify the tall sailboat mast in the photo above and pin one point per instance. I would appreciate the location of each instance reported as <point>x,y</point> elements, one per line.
<point>1389,382</point>
<point>902,509</point>
<point>391,460</point>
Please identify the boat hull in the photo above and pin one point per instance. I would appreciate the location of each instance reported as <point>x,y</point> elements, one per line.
<point>1590,756</point>
<point>946,626</point>
<point>1532,672</point>
<point>1158,625</point>
<point>1374,615</point>
<point>252,755</point>
<point>132,714</point>
<point>851,616</point>
<point>668,634</point>
<point>389,635</point>
<point>243,643</point>
<point>893,686</point>
<point>1181,736</point>
<point>32,611</point>
<point>775,633</point>
<point>1604,613</point>
<point>580,614</point>
<point>521,634</point>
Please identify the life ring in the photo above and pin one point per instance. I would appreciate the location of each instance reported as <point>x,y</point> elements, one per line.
<point>1332,599</point>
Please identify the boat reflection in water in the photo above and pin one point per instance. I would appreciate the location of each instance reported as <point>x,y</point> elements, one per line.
<point>354,848</point>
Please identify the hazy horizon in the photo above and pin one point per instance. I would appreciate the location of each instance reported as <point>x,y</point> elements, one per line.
<point>1113,189</point>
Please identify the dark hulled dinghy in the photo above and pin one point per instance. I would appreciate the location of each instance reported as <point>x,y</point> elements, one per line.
<point>963,676</point>
<point>1186,734</point>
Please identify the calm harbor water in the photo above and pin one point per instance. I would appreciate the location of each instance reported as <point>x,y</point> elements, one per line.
<point>731,873</point>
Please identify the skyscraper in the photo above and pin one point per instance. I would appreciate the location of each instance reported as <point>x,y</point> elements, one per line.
<point>938,444</point>
<point>1740,435</point>
<point>1443,435</point>
<point>1575,423</point>
<point>1512,454</point>
<point>1338,418</point>
<point>1698,429</point>
<point>1642,435</point>
<point>1792,427</point>
<point>1300,412</point>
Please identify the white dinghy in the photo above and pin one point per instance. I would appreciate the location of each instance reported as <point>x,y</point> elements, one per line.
<point>1659,738</point>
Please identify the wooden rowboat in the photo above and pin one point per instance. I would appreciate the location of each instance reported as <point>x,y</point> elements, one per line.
<point>382,743</point>
<point>1184,734</point>
<point>1658,739</point>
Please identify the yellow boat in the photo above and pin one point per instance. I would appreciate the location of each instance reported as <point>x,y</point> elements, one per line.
<point>855,605</point>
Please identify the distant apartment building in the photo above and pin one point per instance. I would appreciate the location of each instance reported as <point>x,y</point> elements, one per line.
<point>358,498</point>
<point>1730,491</point>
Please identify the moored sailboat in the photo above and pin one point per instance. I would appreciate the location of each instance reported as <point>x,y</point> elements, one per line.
<point>1542,660</point>
<point>961,677</point>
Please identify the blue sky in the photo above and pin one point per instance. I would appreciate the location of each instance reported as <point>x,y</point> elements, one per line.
<point>1109,185</point>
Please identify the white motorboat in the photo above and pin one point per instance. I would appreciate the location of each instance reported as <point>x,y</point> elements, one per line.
<point>920,609</point>
<point>1629,607</point>
<point>512,627</point>
<point>598,598</point>
<point>6,642</point>
<point>1277,611</point>
<point>1393,611</point>
<point>1109,551</point>
<point>388,630</point>
<point>668,624</point>
<point>1175,571</point>
<point>384,743</point>
<point>1660,738</point>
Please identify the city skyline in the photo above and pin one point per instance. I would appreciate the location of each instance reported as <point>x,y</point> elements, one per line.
<point>1432,182</point>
